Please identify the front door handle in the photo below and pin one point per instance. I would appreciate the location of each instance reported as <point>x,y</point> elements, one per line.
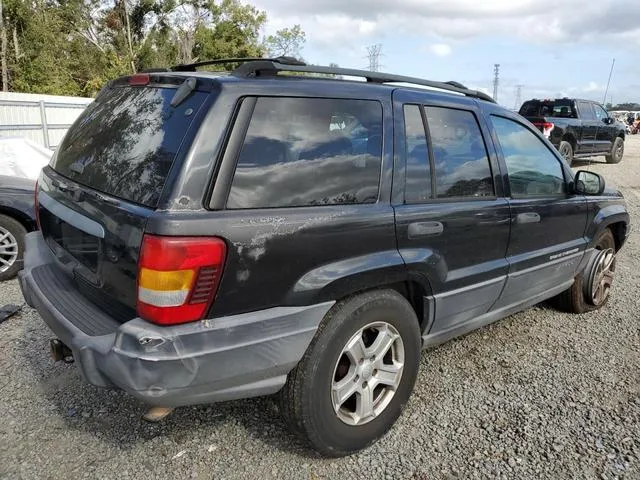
<point>528,217</point>
<point>425,229</point>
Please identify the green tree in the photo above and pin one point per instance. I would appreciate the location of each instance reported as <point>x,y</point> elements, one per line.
<point>631,106</point>
<point>287,42</point>
<point>73,47</point>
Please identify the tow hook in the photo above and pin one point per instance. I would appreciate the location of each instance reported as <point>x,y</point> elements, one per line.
<point>60,352</point>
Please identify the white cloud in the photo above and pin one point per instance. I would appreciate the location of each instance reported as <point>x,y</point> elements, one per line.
<point>337,22</point>
<point>593,87</point>
<point>440,49</point>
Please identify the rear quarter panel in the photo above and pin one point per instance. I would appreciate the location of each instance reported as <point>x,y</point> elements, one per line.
<point>566,127</point>
<point>297,256</point>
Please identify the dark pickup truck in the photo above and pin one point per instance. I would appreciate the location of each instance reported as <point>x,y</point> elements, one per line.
<point>577,128</point>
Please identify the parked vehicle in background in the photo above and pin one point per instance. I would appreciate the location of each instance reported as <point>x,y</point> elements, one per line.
<point>577,128</point>
<point>208,237</point>
<point>17,217</point>
<point>21,157</point>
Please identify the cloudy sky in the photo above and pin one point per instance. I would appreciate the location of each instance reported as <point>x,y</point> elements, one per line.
<point>552,47</point>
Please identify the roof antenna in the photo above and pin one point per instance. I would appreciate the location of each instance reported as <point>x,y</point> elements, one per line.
<point>604,102</point>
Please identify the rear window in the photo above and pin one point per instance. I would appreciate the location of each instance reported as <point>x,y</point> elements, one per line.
<point>551,108</point>
<point>125,142</point>
<point>309,151</point>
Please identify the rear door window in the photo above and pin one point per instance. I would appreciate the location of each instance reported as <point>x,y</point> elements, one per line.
<point>418,173</point>
<point>309,151</point>
<point>126,141</point>
<point>461,162</point>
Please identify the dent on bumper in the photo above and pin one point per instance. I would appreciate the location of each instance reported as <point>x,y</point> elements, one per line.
<point>225,358</point>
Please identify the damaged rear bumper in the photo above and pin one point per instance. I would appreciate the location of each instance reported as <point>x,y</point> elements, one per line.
<point>222,359</point>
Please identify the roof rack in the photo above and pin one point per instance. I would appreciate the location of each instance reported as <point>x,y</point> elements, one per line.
<point>191,67</point>
<point>265,66</point>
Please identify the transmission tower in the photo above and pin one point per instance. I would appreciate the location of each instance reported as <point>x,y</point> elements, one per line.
<point>518,97</point>
<point>373,52</point>
<point>496,80</point>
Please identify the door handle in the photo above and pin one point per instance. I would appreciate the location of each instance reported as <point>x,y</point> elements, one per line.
<point>425,229</point>
<point>528,217</point>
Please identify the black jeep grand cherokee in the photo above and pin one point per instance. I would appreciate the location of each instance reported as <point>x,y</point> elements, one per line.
<point>208,237</point>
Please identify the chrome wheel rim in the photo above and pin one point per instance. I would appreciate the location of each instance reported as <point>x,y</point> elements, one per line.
<point>620,151</point>
<point>367,374</point>
<point>602,276</point>
<point>8,250</point>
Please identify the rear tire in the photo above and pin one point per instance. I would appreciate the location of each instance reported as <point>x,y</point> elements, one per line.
<point>12,235</point>
<point>566,150</point>
<point>317,402</point>
<point>617,151</point>
<point>574,299</point>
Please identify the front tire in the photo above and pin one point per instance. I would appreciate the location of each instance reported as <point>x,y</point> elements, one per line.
<point>11,247</point>
<point>356,376</point>
<point>617,151</point>
<point>590,290</point>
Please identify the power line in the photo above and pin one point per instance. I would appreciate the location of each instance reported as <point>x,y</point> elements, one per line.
<point>373,52</point>
<point>518,97</point>
<point>496,81</point>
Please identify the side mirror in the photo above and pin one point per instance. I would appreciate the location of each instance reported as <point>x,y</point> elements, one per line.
<point>588,183</point>
<point>609,120</point>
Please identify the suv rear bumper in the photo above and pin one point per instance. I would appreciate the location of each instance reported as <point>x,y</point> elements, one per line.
<point>222,359</point>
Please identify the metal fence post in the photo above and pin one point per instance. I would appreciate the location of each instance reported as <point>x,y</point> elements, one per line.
<point>45,129</point>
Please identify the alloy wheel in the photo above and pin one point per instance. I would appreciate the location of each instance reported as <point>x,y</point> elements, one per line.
<point>367,373</point>
<point>620,151</point>
<point>8,249</point>
<point>602,277</point>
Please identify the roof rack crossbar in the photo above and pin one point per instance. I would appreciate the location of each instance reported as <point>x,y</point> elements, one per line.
<point>273,66</point>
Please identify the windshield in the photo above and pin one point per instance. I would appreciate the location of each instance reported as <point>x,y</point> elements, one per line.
<point>125,142</point>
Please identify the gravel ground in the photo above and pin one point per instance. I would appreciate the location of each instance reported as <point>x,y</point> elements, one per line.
<point>538,395</point>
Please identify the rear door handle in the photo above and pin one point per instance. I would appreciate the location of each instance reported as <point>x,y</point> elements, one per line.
<point>528,217</point>
<point>425,229</point>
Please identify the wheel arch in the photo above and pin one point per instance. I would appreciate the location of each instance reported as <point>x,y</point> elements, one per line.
<point>619,231</point>
<point>25,220</point>
<point>614,218</point>
<point>384,270</point>
<point>571,138</point>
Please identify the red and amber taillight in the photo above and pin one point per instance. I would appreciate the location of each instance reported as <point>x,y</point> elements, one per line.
<point>546,128</point>
<point>178,277</point>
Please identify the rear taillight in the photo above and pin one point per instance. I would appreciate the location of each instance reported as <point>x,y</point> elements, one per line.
<point>546,128</point>
<point>178,277</point>
<point>36,206</point>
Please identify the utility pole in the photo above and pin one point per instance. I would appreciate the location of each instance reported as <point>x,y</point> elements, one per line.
<point>496,80</point>
<point>373,52</point>
<point>518,97</point>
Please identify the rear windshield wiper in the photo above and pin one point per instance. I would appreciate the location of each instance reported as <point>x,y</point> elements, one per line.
<point>184,90</point>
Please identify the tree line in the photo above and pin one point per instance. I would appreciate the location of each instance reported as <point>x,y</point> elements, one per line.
<point>630,106</point>
<point>73,47</point>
